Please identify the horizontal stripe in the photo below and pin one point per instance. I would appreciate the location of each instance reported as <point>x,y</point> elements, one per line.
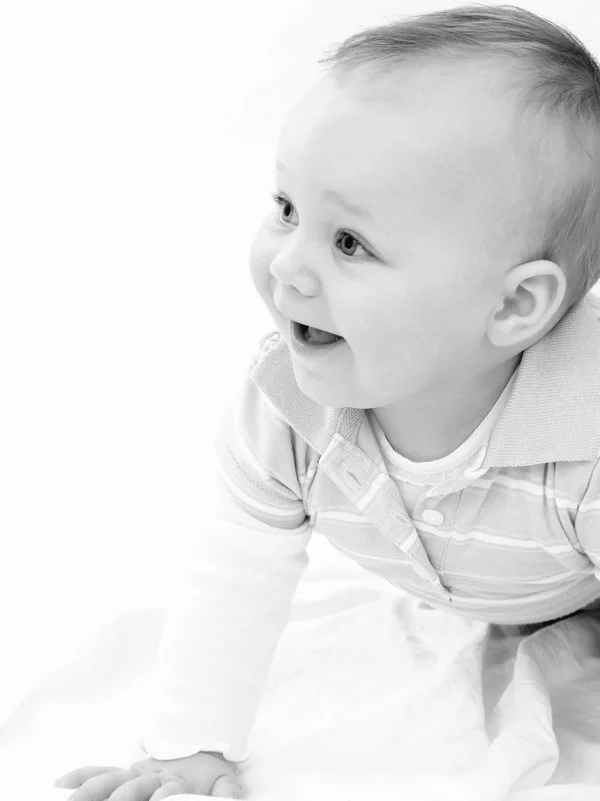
<point>260,509</point>
<point>368,496</point>
<point>562,576</point>
<point>245,453</point>
<point>342,518</point>
<point>589,506</point>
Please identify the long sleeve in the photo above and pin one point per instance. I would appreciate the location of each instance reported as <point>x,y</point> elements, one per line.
<point>220,636</point>
<point>236,590</point>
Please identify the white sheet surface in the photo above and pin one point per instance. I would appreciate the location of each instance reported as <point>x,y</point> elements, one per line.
<point>370,696</point>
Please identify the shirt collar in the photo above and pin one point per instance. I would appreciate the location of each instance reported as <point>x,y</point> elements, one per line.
<point>553,411</point>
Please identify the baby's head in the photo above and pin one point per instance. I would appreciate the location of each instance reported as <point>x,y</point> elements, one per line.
<point>469,142</point>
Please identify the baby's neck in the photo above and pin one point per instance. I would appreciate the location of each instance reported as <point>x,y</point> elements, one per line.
<point>435,427</point>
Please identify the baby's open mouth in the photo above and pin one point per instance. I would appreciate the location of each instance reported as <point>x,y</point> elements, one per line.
<point>314,336</point>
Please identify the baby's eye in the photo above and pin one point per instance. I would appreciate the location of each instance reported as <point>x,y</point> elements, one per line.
<point>283,202</point>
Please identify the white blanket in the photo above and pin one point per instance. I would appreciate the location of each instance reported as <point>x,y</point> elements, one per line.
<point>371,696</point>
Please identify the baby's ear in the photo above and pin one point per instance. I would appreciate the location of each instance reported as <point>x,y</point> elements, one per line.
<point>531,305</point>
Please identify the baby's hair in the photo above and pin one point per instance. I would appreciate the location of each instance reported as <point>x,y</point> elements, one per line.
<point>557,105</point>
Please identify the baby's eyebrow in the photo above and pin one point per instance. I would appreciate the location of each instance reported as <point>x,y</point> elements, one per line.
<point>358,210</point>
<point>329,193</point>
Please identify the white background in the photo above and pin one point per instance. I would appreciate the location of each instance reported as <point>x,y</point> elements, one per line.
<point>136,163</point>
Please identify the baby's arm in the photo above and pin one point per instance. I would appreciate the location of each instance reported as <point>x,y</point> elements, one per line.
<point>217,647</point>
<point>221,634</point>
<point>237,587</point>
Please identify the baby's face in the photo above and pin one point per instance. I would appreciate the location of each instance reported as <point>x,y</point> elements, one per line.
<point>410,277</point>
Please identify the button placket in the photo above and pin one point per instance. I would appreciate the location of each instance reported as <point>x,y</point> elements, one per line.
<point>412,546</point>
<point>353,479</point>
<point>362,485</point>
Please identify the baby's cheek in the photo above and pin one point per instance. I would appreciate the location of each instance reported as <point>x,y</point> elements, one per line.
<point>259,261</point>
<point>264,282</point>
<point>377,325</point>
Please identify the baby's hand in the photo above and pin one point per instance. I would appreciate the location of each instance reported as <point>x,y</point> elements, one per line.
<point>206,773</point>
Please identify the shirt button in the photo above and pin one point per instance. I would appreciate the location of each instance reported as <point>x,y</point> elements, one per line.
<point>432,516</point>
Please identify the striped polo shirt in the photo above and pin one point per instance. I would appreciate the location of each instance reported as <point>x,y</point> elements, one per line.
<point>506,529</point>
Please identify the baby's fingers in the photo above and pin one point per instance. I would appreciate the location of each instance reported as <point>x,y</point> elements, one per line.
<point>138,789</point>
<point>75,778</point>
<point>170,788</point>
<point>100,787</point>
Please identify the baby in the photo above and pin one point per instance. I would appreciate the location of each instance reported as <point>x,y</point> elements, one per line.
<point>429,400</point>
